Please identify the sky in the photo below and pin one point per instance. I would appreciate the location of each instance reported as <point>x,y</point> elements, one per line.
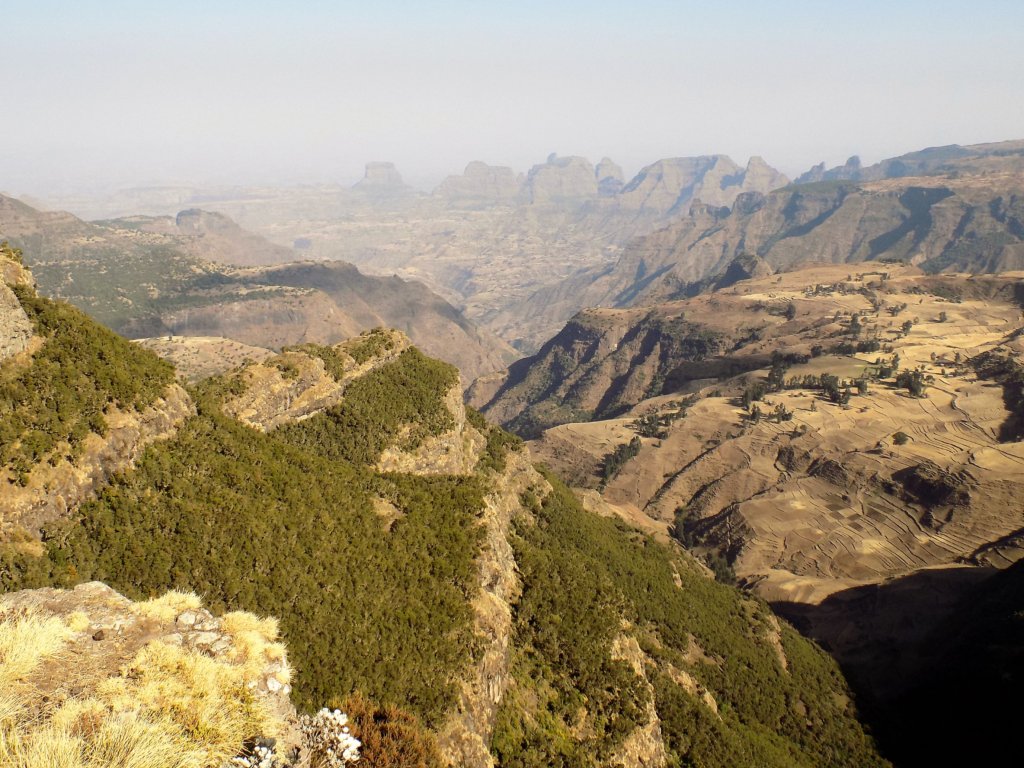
<point>101,94</point>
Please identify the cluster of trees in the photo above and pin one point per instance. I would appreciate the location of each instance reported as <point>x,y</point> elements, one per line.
<point>616,460</point>
<point>657,424</point>
<point>915,382</point>
<point>1010,374</point>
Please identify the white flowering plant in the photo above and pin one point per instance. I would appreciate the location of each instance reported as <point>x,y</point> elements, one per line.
<point>328,739</point>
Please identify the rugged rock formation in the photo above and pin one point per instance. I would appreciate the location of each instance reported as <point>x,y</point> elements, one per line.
<point>296,385</point>
<point>381,178</point>
<point>15,327</point>
<point>972,159</point>
<point>847,172</point>
<point>479,185</point>
<point>940,223</point>
<point>609,178</point>
<point>669,186</point>
<point>211,236</point>
<point>455,452</point>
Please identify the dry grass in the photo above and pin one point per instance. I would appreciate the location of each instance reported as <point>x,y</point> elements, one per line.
<point>169,707</point>
<point>25,642</point>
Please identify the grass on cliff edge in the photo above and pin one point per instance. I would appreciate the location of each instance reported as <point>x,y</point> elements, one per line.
<point>170,707</point>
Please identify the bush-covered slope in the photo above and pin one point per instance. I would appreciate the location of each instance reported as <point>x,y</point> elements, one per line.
<point>759,694</point>
<point>232,513</point>
<point>80,370</point>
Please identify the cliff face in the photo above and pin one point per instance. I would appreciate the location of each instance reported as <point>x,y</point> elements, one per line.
<point>480,184</point>
<point>968,217</point>
<point>55,489</point>
<point>15,327</point>
<point>670,186</point>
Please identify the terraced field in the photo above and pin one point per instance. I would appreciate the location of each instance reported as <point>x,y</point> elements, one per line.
<point>836,494</point>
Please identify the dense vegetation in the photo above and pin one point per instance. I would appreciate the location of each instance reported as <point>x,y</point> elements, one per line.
<point>232,513</point>
<point>583,575</point>
<point>48,408</point>
<point>618,458</point>
<point>401,400</point>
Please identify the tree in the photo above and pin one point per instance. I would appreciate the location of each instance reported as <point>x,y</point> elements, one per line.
<point>791,311</point>
<point>913,381</point>
<point>900,438</point>
<point>855,326</point>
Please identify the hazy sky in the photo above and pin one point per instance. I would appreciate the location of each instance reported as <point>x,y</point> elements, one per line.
<point>129,92</point>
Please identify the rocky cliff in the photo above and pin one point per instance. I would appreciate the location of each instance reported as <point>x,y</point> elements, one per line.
<point>954,158</point>
<point>15,327</point>
<point>479,185</point>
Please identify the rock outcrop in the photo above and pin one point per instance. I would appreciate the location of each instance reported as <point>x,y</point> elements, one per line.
<point>15,327</point>
<point>669,186</point>
<point>297,385</point>
<point>453,453</point>
<point>609,178</point>
<point>382,180</point>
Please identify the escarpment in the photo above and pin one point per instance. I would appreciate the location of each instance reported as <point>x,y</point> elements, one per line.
<point>428,578</point>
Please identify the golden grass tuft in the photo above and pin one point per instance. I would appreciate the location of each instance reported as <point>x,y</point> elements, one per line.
<point>168,606</point>
<point>253,642</point>
<point>77,621</point>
